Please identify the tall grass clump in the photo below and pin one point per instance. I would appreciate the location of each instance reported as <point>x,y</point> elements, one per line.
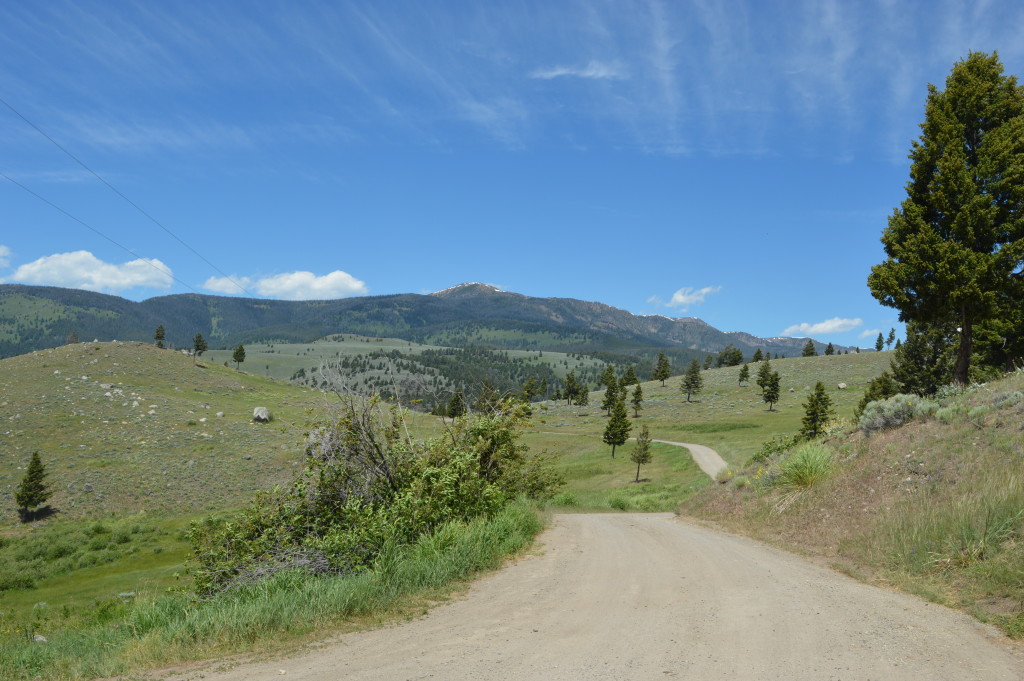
<point>808,465</point>
<point>895,411</point>
<point>963,532</point>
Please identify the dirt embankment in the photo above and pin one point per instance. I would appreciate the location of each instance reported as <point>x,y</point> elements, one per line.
<point>651,597</point>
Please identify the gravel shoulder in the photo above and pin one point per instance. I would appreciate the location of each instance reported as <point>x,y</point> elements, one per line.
<point>650,596</point>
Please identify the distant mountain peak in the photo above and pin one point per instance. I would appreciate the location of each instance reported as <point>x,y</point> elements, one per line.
<point>468,288</point>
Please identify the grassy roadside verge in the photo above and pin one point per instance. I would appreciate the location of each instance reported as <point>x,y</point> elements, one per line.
<point>934,506</point>
<point>286,610</point>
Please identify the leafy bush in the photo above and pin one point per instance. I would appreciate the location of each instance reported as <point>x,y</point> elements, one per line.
<point>808,465</point>
<point>566,498</point>
<point>895,411</point>
<point>368,486</point>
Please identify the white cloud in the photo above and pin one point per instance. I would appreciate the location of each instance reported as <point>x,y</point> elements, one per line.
<point>834,325</point>
<point>299,285</point>
<point>869,333</point>
<point>594,70</point>
<point>688,295</point>
<point>5,256</point>
<point>81,269</point>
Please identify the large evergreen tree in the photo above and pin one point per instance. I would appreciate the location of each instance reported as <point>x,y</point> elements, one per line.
<point>662,370</point>
<point>817,411</point>
<point>611,396</point>
<point>629,377</point>
<point>830,349</point>
<point>809,350</point>
<point>32,492</point>
<point>879,342</point>
<point>744,374</point>
<point>955,246</point>
<point>693,382</point>
<point>617,431</point>
<point>758,356</point>
<point>159,336</point>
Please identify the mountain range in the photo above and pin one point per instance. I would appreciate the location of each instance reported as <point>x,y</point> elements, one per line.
<point>36,317</point>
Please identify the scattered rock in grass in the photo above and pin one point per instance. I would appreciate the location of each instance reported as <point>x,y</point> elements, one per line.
<point>39,638</point>
<point>220,414</point>
<point>842,386</point>
<point>261,415</point>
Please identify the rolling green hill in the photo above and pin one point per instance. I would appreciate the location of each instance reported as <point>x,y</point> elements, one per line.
<point>37,317</point>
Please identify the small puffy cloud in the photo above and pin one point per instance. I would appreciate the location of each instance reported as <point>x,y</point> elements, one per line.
<point>292,285</point>
<point>81,269</point>
<point>834,325</point>
<point>594,70</point>
<point>687,296</point>
<point>5,256</point>
<point>869,333</point>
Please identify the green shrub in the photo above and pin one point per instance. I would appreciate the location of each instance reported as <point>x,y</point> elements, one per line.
<point>366,487</point>
<point>895,411</point>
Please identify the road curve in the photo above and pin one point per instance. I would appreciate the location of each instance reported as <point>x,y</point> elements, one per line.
<point>705,457</point>
<point>647,596</point>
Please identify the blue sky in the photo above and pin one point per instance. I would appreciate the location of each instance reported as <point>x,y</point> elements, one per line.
<point>733,161</point>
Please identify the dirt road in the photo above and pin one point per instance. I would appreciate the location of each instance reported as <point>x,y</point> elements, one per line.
<point>652,597</point>
<point>706,458</point>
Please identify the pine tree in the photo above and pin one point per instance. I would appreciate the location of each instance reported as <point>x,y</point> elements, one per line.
<point>879,342</point>
<point>890,338</point>
<point>879,388</point>
<point>708,361</point>
<point>238,355</point>
<point>663,370</point>
<point>955,245</point>
<point>608,377</point>
<point>830,349</point>
<point>758,356</point>
<point>199,346</point>
<point>772,390</point>
<point>530,389</point>
<point>764,373</point>
<point>630,378</point>
<point>617,431</point>
<point>159,335</point>
<point>692,380</point>
<point>572,388</point>
<point>638,400</point>
<point>809,350</point>
<point>817,412</point>
<point>641,454</point>
<point>611,396</point>
<point>71,339</point>
<point>32,492</point>
<point>744,374</point>
<point>456,405</point>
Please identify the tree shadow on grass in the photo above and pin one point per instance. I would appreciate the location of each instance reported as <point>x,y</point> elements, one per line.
<point>41,513</point>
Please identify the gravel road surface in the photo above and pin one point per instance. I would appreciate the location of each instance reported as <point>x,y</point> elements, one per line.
<point>649,596</point>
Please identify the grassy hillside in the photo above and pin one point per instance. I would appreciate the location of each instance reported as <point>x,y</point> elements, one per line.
<point>935,506</point>
<point>726,416</point>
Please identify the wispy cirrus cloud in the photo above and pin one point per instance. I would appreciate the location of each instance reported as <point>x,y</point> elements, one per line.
<point>300,285</point>
<point>869,333</point>
<point>834,325</point>
<point>5,256</point>
<point>83,270</point>
<point>594,70</point>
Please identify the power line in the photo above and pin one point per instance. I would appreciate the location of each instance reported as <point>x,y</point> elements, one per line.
<point>119,193</point>
<point>45,200</point>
